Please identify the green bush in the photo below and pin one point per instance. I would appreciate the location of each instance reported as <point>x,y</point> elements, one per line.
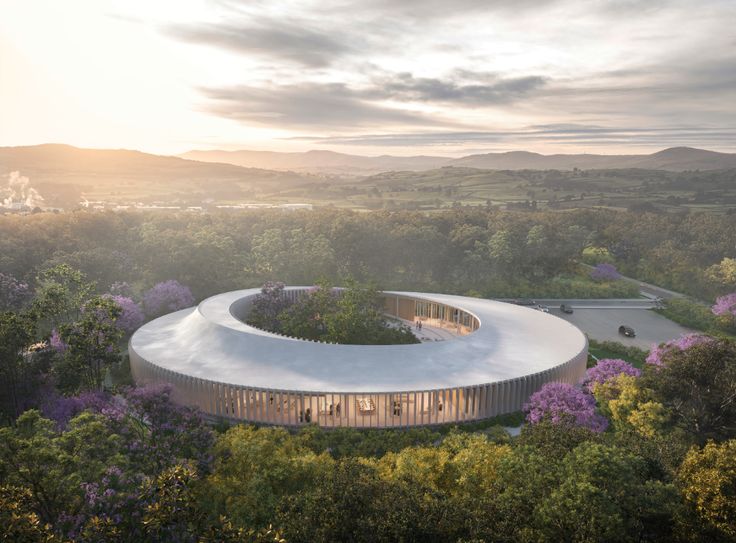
<point>613,349</point>
<point>695,315</point>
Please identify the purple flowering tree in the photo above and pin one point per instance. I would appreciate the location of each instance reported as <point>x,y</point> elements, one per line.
<point>606,369</point>
<point>158,432</point>
<point>658,354</point>
<point>131,315</point>
<point>155,432</point>
<point>166,297</point>
<point>62,409</point>
<point>605,272</point>
<point>561,402</point>
<point>725,306</point>
<point>14,294</point>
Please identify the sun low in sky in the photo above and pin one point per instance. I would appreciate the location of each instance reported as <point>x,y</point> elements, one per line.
<point>374,76</point>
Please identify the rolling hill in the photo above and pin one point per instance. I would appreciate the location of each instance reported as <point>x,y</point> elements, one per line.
<point>328,162</point>
<point>320,162</point>
<point>132,175</point>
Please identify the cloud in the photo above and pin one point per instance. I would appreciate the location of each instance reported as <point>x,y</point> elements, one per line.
<point>418,72</point>
<point>485,89</point>
<point>562,134</point>
<point>308,105</point>
<point>294,41</point>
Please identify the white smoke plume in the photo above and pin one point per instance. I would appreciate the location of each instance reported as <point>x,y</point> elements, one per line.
<point>18,190</point>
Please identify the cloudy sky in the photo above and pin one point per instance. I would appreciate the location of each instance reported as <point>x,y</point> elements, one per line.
<point>373,76</point>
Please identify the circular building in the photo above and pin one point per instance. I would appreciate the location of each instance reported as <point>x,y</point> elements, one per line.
<point>480,358</point>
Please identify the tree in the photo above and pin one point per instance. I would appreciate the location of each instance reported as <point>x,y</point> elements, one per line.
<point>158,433</point>
<point>657,355</point>
<point>707,478</point>
<point>725,307</point>
<point>555,440</point>
<point>60,296</point>
<point>255,469</point>
<point>724,272</point>
<point>606,369</point>
<point>19,523</point>
<point>166,297</point>
<point>698,386</point>
<point>131,315</point>
<point>353,503</point>
<point>295,255</point>
<point>13,293</point>
<point>605,494</point>
<point>92,343</point>
<point>631,406</point>
<point>351,315</point>
<point>52,466</point>
<point>563,402</point>
<point>17,376</point>
<point>268,305</point>
<point>605,272</point>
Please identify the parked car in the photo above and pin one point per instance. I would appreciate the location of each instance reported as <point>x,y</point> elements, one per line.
<point>627,331</point>
<point>566,308</point>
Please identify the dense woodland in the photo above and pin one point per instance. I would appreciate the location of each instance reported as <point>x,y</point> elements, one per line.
<point>643,453</point>
<point>465,251</point>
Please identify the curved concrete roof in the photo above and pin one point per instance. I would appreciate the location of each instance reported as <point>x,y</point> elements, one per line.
<point>209,342</point>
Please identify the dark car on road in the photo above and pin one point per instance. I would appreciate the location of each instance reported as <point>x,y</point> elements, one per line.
<point>566,308</point>
<point>627,331</point>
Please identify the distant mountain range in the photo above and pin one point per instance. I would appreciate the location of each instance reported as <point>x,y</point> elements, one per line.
<point>63,175</point>
<point>320,162</point>
<point>109,166</point>
<point>331,163</point>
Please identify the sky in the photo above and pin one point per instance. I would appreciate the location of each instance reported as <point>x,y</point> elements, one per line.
<point>401,77</point>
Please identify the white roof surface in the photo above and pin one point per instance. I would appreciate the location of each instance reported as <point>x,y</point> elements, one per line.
<point>208,342</point>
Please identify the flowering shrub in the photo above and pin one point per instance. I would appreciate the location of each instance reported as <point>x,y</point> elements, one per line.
<point>131,316</point>
<point>725,306</point>
<point>165,297</point>
<point>605,370</point>
<point>659,352</point>
<point>561,402</point>
<point>605,272</point>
